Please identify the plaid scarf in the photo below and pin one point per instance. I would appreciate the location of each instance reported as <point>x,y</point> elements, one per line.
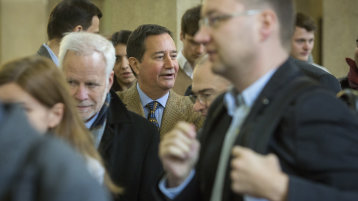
<point>102,114</point>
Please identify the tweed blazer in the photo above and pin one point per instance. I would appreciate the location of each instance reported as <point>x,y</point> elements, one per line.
<point>178,108</point>
<point>182,82</point>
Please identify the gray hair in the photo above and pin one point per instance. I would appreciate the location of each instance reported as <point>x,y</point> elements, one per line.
<point>85,43</point>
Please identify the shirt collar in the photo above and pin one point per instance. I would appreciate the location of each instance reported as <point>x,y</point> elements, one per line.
<point>52,55</point>
<point>89,123</point>
<point>249,94</point>
<point>185,65</point>
<point>144,99</point>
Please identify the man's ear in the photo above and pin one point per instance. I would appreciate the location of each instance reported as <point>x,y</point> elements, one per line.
<point>268,21</point>
<point>77,28</point>
<point>110,80</point>
<point>55,115</point>
<point>134,63</point>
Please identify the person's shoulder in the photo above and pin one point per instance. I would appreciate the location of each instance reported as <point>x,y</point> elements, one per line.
<point>179,99</point>
<point>309,68</point>
<point>54,161</point>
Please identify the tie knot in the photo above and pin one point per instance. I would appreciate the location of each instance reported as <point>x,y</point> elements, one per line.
<point>152,105</point>
<point>240,100</point>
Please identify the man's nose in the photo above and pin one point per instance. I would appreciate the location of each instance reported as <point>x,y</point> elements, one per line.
<point>168,61</point>
<point>202,36</point>
<point>198,106</point>
<point>81,93</point>
<point>124,62</point>
<point>200,49</point>
<point>306,45</point>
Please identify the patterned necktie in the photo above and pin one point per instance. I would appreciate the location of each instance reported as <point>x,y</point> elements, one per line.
<point>152,106</point>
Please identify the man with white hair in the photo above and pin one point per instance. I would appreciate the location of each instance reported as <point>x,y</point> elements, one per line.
<point>122,137</point>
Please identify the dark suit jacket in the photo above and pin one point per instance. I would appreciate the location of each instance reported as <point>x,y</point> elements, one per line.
<point>40,168</point>
<point>324,78</point>
<point>43,52</point>
<point>129,147</point>
<point>316,142</point>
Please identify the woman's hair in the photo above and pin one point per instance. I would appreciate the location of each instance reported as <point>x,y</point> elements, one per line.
<point>40,78</point>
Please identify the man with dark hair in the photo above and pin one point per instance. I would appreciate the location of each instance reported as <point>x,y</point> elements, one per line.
<point>303,38</point>
<point>302,43</point>
<point>277,134</point>
<point>152,56</point>
<point>69,16</point>
<point>123,74</point>
<point>191,51</point>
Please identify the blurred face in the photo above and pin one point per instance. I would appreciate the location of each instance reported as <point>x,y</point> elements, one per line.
<point>230,40</point>
<point>94,28</point>
<point>191,49</point>
<point>89,84</point>
<point>157,71</point>
<point>302,44</point>
<point>121,69</point>
<point>206,86</point>
<point>38,114</point>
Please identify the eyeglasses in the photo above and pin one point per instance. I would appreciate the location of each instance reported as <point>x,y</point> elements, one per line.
<point>213,21</point>
<point>203,98</point>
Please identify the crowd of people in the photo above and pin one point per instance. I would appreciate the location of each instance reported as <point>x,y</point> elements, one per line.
<point>241,112</point>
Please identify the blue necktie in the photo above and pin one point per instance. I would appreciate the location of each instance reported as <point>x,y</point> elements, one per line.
<point>152,106</point>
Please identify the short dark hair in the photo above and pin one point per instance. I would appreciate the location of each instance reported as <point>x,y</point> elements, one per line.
<point>285,11</point>
<point>190,21</point>
<point>136,41</point>
<point>305,21</point>
<point>68,14</point>
<point>120,37</point>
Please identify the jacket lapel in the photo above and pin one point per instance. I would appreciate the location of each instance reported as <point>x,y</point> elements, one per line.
<point>284,74</point>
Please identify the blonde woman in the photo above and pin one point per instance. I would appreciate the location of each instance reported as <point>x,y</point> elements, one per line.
<point>40,87</point>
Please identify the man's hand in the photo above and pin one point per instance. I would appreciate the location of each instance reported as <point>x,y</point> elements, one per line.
<point>178,151</point>
<point>257,175</point>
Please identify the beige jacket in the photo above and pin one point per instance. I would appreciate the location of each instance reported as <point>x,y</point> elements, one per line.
<point>178,108</point>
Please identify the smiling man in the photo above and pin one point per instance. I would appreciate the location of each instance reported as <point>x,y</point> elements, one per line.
<point>152,55</point>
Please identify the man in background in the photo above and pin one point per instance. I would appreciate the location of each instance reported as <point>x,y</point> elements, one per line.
<point>302,43</point>
<point>191,51</point>
<point>69,16</point>
<point>206,85</point>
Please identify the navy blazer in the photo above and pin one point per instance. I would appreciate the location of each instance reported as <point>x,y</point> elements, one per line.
<point>129,147</point>
<point>316,143</point>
